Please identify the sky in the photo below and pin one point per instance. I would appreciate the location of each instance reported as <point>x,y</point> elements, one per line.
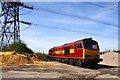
<point>41,38</point>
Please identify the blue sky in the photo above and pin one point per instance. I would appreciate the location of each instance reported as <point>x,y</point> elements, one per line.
<point>40,38</point>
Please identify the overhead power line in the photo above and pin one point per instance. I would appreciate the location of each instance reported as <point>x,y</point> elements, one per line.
<point>27,23</point>
<point>101,6</point>
<point>26,12</point>
<point>75,16</point>
<point>69,30</point>
<point>25,28</point>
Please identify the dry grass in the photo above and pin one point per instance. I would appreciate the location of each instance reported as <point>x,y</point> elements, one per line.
<point>14,59</point>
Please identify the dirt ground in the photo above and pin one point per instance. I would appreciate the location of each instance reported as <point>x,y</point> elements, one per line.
<point>60,70</point>
<point>56,70</point>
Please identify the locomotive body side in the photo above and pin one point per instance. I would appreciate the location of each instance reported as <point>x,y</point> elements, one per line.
<point>78,52</point>
<point>67,51</point>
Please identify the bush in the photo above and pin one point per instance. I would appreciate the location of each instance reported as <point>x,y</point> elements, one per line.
<point>118,51</point>
<point>105,51</point>
<point>18,47</point>
<point>42,56</point>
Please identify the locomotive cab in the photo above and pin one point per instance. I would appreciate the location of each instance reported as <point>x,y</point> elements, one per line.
<point>91,51</point>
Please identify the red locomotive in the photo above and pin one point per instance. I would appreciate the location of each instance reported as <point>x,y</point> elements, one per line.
<point>85,51</point>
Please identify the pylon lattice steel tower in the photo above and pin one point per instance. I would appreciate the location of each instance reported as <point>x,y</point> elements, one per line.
<point>10,29</point>
<point>9,21</point>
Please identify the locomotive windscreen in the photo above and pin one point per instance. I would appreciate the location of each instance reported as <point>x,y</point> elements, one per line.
<point>90,44</point>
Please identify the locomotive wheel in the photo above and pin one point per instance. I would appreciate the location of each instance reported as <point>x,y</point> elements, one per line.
<point>66,61</point>
<point>76,62</point>
<point>71,62</point>
<point>63,60</point>
<point>79,63</point>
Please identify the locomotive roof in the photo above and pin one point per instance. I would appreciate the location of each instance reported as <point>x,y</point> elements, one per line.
<point>72,42</point>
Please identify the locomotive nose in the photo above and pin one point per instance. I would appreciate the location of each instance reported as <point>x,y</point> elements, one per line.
<point>91,54</point>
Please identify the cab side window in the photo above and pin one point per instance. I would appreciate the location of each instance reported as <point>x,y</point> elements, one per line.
<point>79,45</point>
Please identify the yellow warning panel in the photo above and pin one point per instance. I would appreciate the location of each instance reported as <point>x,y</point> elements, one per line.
<point>72,50</point>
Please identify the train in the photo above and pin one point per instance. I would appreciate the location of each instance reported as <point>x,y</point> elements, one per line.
<point>81,52</point>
